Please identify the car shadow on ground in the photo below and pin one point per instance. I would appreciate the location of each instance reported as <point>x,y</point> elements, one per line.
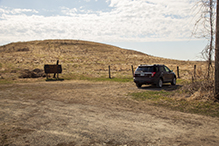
<point>166,87</point>
<point>54,79</point>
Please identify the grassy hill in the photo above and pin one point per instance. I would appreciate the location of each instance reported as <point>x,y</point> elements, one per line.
<point>80,59</point>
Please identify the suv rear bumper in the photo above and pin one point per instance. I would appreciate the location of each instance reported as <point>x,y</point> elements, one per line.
<point>141,80</point>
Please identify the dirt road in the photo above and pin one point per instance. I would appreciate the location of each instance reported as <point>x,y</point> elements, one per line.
<point>94,113</point>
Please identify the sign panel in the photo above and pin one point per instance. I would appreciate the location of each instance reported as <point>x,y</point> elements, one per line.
<point>52,69</point>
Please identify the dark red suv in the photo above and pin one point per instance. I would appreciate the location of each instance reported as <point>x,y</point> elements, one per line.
<point>154,74</point>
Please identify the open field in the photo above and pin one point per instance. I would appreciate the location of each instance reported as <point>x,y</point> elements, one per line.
<point>95,113</point>
<point>81,59</point>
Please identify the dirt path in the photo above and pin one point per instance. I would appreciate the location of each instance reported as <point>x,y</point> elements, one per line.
<point>94,113</point>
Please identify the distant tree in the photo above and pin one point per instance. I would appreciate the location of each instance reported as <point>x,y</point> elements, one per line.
<point>205,10</point>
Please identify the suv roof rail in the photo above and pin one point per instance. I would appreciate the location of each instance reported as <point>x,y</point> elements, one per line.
<point>157,64</point>
<point>149,64</point>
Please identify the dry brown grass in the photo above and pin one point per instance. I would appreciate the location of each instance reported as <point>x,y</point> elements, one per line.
<point>81,58</point>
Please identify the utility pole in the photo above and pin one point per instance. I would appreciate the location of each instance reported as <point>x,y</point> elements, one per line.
<point>216,84</point>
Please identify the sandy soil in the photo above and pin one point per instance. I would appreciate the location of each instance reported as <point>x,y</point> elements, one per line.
<point>94,113</point>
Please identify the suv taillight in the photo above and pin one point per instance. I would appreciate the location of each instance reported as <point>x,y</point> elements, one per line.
<point>153,73</point>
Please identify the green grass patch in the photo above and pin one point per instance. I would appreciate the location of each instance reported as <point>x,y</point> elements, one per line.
<point>113,79</point>
<point>208,108</point>
<point>179,81</point>
<point>5,81</point>
<point>90,78</point>
<point>165,99</point>
<point>67,77</point>
<point>150,95</point>
<point>183,81</point>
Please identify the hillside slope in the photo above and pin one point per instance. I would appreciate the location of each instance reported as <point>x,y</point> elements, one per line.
<point>78,58</point>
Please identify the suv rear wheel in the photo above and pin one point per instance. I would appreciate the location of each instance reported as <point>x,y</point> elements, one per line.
<point>173,81</point>
<point>138,85</point>
<point>159,83</point>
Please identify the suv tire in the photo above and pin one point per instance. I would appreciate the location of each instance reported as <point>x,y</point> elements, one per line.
<point>173,81</point>
<point>138,85</point>
<point>159,83</point>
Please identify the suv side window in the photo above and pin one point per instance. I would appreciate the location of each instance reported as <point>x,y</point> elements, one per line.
<point>167,69</point>
<point>162,69</point>
<point>156,69</point>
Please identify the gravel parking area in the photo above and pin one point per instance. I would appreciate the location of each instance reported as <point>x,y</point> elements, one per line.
<point>94,113</point>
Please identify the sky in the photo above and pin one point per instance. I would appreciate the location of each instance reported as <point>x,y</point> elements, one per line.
<point>161,28</point>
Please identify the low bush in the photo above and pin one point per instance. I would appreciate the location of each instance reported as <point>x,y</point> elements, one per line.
<point>36,73</point>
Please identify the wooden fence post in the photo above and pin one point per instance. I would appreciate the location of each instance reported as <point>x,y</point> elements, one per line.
<point>194,71</point>
<point>132,70</point>
<point>109,72</point>
<point>178,71</point>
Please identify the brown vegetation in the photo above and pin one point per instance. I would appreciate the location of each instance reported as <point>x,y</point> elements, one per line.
<point>81,58</point>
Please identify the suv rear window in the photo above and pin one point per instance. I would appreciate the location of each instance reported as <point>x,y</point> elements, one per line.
<point>146,69</point>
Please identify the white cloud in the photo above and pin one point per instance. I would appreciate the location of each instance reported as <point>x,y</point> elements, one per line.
<point>6,10</point>
<point>68,11</point>
<point>139,20</point>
